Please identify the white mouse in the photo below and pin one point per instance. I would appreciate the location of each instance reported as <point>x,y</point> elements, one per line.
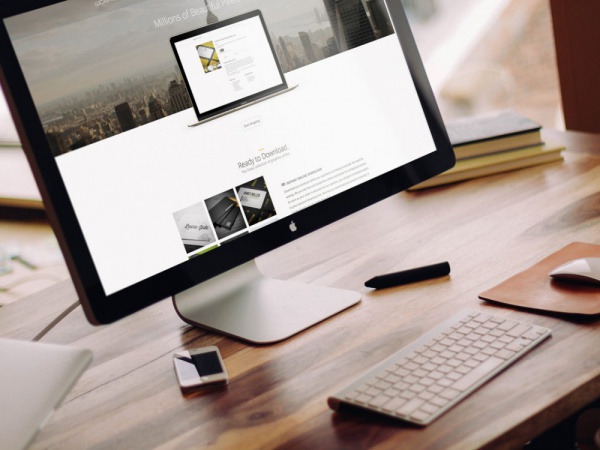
<point>586,270</point>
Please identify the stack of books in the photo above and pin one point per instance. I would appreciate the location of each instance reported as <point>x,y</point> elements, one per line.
<point>494,144</point>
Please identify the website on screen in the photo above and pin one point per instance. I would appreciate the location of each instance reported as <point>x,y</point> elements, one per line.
<point>151,192</point>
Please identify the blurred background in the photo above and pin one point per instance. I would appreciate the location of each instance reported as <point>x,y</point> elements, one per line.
<point>486,56</point>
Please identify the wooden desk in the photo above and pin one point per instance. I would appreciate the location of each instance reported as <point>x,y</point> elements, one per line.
<point>488,229</point>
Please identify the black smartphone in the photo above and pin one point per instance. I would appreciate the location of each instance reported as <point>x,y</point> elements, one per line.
<point>199,368</point>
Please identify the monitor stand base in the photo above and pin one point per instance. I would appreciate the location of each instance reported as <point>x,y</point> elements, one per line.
<point>243,303</point>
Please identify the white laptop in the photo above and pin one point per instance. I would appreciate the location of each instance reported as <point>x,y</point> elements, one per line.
<point>229,65</point>
<point>34,379</point>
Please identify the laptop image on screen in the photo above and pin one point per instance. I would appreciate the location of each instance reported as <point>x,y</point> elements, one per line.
<point>229,65</point>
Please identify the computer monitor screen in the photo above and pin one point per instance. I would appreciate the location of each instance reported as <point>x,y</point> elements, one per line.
<point>146,206</point>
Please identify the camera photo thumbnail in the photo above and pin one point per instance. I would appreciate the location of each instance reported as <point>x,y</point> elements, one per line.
<point>195,228</point>
<point>224,211</point>
<point>208,57</point>
<point>256,201</point>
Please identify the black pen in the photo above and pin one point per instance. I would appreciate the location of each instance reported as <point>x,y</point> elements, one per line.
<point>409,276</point>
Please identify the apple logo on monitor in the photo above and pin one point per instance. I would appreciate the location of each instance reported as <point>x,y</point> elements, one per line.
<point>293,227</point>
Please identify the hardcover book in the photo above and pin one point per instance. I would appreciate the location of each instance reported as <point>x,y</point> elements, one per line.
<point>500,162</point>
<point>507,130</point>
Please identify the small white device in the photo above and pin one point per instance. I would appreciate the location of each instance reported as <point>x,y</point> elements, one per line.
<point>586,270</point>
<point>200,367</point>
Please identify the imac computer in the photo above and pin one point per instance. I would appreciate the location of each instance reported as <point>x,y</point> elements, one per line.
<point>303,112</point>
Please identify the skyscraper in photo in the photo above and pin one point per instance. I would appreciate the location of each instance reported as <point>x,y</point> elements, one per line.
<point>380,19</point>
<point>178,97</point>
<point>286,53</point>
<point>307,45</point>
<point>142,116</point>
<point>156,109</point>
<point>210,16</point>
<point>350,23</point>
<point>318,16</point>
<point>125,116</point>
<point>57,143</point>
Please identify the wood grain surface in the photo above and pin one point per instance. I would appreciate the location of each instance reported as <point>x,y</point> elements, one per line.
<point>488,229</point>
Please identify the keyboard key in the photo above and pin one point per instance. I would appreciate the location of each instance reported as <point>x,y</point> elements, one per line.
<point>393,404</point>
<point>430,408</point>
<point>518,330</point>
<point>411,379</point>
<point>454,376</point>
<point>505,354</point>
<point>372,391</point>
<point>480,357</point>
<point>463,356</point>
<point>402,372</point>
<point>426,381</point>
<point>439,401</point>
<point>507,325</point>
<point>436,375</point>
<point>401,385</point>
<point>383,385</point>
<point>364,399</point>
<point>420,360</point>
<point>379,401</point>
<point>418,388</point>
<point>419,415</point>
<point>410,406</point>
<point>463,369</point>
<point>392,392</point>
<point>534,333</point>
<point>449,394</point>
<point>480,318</point>
<point>472,363</point>
<point>392,378</point>
<point>420,373</point>
<point>353,395</point>
<point>490,325</point>
<point>477,373</point>
<point>427,395</point>
<point>407,395</point>
<point>445,382</point>
<point>411,366</point>
<point>436,389</point>
<point>515,346</point>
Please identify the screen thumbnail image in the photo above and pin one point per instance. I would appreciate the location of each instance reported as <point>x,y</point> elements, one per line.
<point>256,201</point>
<point>208,57</point>
<point>195,228</point>
<point>224,211</point>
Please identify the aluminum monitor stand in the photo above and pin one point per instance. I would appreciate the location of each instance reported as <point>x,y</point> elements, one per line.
<point>243,303</point>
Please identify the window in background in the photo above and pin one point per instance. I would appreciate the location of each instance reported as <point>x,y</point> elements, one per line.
<point>487,56</point>
<point>8,133</point>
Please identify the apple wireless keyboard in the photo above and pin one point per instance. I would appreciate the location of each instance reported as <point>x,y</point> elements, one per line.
<point>425,379</point>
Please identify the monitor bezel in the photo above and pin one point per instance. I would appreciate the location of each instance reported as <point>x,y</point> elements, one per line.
<point>202,116</point>
<point>103,309</point>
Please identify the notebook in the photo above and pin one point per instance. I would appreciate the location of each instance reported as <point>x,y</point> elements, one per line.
<point>34,379</point>
<point>229,65</point>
